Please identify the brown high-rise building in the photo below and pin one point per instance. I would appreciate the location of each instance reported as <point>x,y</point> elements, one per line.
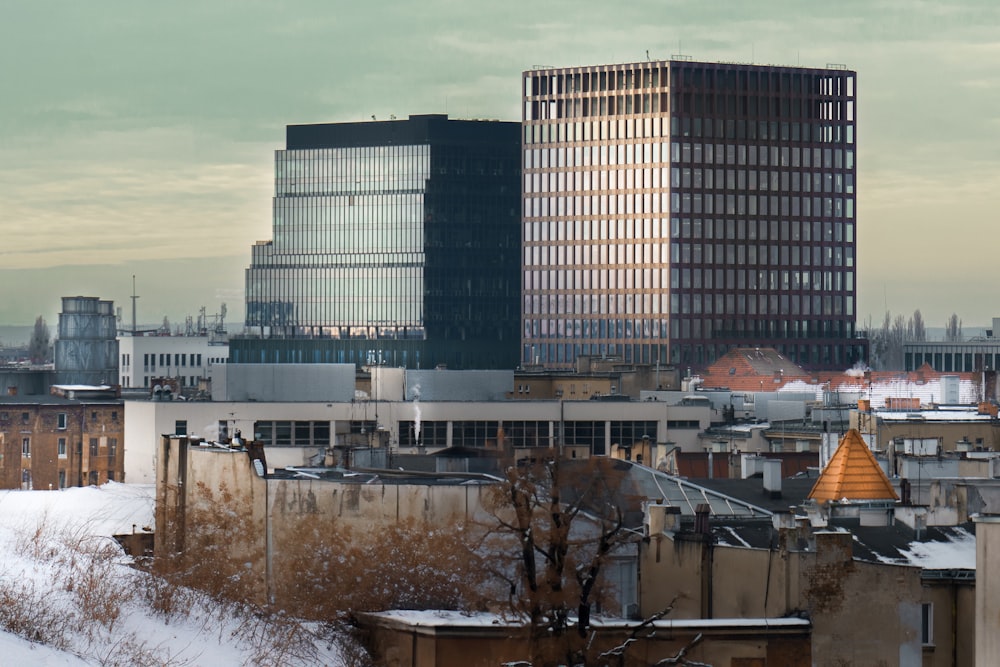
<point>675,209</point>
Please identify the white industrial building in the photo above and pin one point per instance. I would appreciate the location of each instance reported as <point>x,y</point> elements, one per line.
<point>187,358</point>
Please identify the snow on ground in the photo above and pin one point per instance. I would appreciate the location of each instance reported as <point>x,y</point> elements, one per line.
<point>66,585</point>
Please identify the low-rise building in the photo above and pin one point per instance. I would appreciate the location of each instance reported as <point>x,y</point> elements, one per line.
<point>73,437</point>
<point>190,359</point>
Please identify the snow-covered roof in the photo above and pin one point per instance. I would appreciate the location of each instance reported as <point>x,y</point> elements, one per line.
<point>965,415</point>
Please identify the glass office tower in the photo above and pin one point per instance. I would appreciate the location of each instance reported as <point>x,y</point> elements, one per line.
<point>673,210</point>
<point>394,243</point>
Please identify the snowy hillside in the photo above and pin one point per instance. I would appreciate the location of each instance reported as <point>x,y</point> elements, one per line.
<point>69,597</point>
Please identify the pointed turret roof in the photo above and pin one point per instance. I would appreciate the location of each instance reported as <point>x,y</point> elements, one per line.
<point>852,474</point>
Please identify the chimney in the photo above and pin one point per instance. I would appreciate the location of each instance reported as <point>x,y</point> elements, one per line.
<point>905,491</point>
<point>655,518</point>
<point>701,512</point>
<point>772,478</point>
<point>662,518</point>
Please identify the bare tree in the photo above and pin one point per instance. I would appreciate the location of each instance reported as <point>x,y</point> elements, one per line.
<point>918,332</point>
<point>953,329</point>
<point>40,346</point>
<point>553,531</point>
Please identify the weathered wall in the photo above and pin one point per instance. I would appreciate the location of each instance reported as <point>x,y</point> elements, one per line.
<point>827,583</point>
<point>212,506</point>
<point>210,518</point>
<point>987,590</point>
<point>852,624</point>
<point>401,644</point>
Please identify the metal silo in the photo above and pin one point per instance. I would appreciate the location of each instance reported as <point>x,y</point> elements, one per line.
<point>86,351</point>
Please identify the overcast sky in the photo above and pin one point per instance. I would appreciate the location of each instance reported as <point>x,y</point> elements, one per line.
<point>138,137</point>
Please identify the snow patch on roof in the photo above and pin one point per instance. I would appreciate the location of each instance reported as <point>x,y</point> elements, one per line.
<point>959,552</point>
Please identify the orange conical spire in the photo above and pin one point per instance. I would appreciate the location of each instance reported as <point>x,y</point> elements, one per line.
<point>852,473</point>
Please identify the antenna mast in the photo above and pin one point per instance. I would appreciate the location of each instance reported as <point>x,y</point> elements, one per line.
<point>134,297</point>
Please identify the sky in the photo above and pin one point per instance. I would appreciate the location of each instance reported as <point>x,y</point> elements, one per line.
<point>137,138</point>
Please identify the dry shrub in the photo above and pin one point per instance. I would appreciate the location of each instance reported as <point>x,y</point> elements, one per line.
<point>334,571</point>
<point>37,543</point>
<point>222,554</point>
<point>29,613</point>
<point>277,639</point>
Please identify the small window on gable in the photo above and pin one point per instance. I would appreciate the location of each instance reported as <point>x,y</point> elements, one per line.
<point>61,421</point>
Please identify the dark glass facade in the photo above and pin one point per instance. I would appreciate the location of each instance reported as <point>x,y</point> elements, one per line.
<point>672,210</point>
<point>394,242</point>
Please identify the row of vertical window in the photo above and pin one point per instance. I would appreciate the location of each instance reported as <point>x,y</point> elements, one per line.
<point>798,255</point>
<point>326,229</point>
<point>604,328</point>
<point>749,79</point>
<point>646,203</point>
<point>365,169</point>
<point>839,113</point>
<point>180,360</point>
<point>686,327</point>
<point>565,354</point>
<point>762,304</point>
<point>590,303</point>
<point>526,433</point>
<point>345,296</point>
<point>558,130</point>
<point>580,256</point>
<point>95,445</point>
<point>773,280</point>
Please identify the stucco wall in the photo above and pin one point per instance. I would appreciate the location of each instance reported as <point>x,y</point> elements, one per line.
<point>987,590</point>
<point>836,591</point>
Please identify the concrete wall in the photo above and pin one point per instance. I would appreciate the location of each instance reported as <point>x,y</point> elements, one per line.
<point>826,582</point>
<point>198,481</point>
<point>445,385</point>
<point>987,590</point>
<point>283,382</point>
<point>470,642</point>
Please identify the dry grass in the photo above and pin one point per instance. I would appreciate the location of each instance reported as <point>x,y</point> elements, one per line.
<point>94,588</point>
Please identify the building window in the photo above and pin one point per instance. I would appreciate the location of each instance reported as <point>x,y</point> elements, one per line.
<point>93,446</point>
<point>61,421</point>
<point>26,448</point>
<point>93,415</point>
<point>112,451</point>
<point>92,478</point>
<point>62,479</point>
<point>111,475</point>
<point>25,417</point>
<point>114,415</point>
<point>26,480</point>
<point>180,427</point>
<point>62,448</point>
<point>927,623</point>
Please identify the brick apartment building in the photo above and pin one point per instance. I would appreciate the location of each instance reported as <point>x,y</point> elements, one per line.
<point>73,437</point>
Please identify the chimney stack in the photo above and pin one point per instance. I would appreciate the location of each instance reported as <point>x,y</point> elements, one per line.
<point>701,512</point>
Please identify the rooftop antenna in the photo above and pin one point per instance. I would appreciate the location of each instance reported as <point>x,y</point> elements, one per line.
<point>134,297</point>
